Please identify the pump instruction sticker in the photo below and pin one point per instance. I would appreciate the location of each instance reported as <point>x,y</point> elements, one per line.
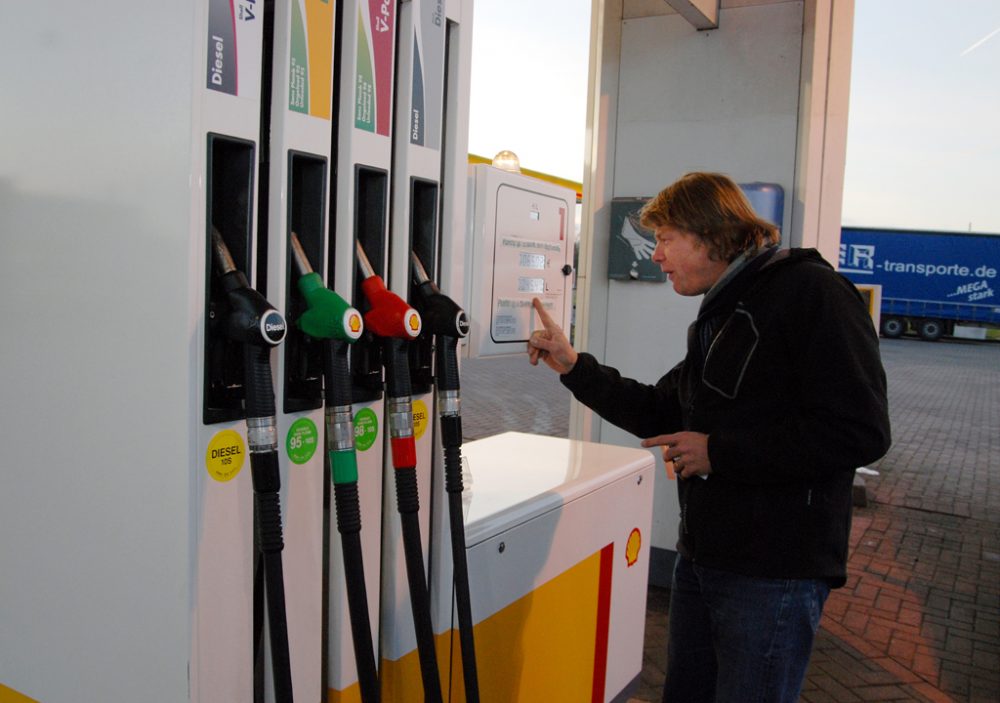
<point>311,58</point>
<point>373,75</point>
<point>233,61</point>
<point>224,456</point>
<point>426,86</point>
<point>302,440</point>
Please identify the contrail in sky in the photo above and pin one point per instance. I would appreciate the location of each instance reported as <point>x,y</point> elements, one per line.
<point>980,42</point>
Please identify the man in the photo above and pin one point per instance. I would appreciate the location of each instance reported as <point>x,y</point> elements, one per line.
<point>780,397</point>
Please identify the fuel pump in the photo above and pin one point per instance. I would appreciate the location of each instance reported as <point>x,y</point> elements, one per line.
<point>394,322</point>
<point>332,318</point>
<point>253,323</point>
<point>364,77</point>
<point>416,191</point>
<point>296,144</point>
<point>446,321</point>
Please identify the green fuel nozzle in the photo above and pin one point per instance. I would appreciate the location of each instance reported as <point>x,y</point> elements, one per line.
<point>328,316</point>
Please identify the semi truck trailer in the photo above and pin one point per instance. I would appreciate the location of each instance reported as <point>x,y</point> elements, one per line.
<point>932,282</point>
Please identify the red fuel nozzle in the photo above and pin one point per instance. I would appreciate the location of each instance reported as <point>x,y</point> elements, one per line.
<point>389,316</point>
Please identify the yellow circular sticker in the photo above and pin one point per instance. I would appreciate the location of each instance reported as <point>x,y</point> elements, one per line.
<point>420,418</point>
<point>225,454</point>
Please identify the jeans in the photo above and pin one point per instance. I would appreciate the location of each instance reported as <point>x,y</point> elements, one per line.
<point>739,639</point>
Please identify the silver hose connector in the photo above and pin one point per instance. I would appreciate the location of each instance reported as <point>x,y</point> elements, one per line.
<point>262,434</point>
<point>340,428</point>
<point>400,417</point>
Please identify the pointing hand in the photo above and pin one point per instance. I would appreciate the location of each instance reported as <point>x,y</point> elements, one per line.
<point>550,344</point>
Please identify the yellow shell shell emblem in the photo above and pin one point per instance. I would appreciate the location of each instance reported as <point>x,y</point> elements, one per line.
<point>632,546</point>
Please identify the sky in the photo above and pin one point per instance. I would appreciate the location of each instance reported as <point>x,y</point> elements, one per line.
<point>529,82</point>
<point>923,146</point>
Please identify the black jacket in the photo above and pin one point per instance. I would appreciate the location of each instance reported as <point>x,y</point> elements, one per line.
<point>783,374</point>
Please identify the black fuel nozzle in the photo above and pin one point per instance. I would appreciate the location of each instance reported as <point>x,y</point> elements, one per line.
<point>448,321</point>
<point>252,319</point>
<point>441,314</point>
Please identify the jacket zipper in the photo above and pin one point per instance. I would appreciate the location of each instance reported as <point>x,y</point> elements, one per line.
<point>684,505</point>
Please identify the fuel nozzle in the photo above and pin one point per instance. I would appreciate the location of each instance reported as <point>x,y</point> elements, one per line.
<point>392,319</point>
<point>389,316</point>
<point>252,320</point>
<point>448,322</point>
<point>442,315</point>
<point>328,316</point>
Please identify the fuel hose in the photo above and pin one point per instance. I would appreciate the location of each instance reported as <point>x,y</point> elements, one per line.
<point>447,321</point>
<point>391,319</point>
<point>254,323</point>
<point>330,317</point>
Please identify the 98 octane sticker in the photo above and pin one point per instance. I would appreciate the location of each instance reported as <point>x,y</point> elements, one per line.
<point>225,454</point>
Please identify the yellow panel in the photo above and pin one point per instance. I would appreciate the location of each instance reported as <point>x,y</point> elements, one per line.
<point>539,648</point>
<point>351,694</point>
<point>9,695</point>
<point>400,679</point>
<point>319,18</point>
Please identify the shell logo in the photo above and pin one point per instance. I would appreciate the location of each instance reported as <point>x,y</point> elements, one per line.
<point>632,547</point>
<point>413,322</point>
<point>354,324</point>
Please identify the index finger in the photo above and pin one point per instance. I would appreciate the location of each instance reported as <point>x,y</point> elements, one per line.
<point>547,321</point>
<point>660,440</point>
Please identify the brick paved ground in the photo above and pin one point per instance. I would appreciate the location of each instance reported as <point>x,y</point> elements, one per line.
<point>919,619</point>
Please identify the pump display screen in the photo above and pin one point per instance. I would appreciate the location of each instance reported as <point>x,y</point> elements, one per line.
<point>530,285</point>
<point>530,245</point>
<point>532,261</point>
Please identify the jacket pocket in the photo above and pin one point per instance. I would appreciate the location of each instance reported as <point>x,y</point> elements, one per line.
<point>730,354</point>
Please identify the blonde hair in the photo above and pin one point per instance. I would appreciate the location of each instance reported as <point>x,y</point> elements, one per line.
<point>714,209</point>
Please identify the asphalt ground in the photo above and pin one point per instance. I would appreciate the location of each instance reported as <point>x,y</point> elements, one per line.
<point>919,618</point>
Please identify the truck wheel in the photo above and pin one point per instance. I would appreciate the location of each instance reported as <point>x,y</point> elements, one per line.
<point>893,327</point>
<point>931,330</point>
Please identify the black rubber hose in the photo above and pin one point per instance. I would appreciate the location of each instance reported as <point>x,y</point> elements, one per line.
<point>271,544</point>
<point>266,479</point>
<point>337,374</point>
<point>259,388</point>
<point>409,504</point>
<point>349,526</point>
<point>447,365</point>
<point>397,368</point>
<point>451,428</point>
